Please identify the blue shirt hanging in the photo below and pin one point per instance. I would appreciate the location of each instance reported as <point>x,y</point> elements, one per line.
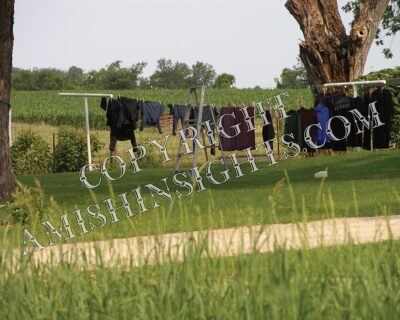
<point>323,118</point>
<point>151,113</point>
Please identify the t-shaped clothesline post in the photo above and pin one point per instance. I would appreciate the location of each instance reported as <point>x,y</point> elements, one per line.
<point>86,107</point>
<point>355,85</point>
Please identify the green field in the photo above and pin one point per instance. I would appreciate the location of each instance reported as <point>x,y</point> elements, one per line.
<point>48,108</point>
<point>359,184</point>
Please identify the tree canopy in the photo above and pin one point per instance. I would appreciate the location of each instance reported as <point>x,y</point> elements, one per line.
<point>295,77</point>
<point>168,75</point>
<point>224,81</point>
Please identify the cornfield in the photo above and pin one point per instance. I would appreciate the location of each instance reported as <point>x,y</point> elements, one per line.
<point>48,108</point>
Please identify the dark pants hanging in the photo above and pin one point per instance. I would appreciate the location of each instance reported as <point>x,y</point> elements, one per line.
<point>122,134</point>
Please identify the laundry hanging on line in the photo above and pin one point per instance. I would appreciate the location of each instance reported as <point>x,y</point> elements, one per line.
<point>209,114</point>
<point>122,115</point>
<point>385,107</point>
<point>307,118</point>
<point>341,105</point>
<point>178,112</point>
<point>268,132</point>
<point>151,113</point>
<point>234,118</point>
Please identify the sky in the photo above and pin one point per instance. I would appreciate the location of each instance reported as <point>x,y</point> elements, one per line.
<point>251,39</point>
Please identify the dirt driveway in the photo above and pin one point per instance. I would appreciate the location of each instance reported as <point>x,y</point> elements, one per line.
<point>225,242</point>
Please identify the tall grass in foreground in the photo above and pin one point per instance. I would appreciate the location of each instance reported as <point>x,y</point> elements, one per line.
<point>343,282</point>
<point>350,282</point>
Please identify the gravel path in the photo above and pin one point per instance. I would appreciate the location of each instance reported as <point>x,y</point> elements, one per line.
<point>225,242</point>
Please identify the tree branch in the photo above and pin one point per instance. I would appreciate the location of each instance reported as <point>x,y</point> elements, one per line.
<point>325,46</point>
<point>363,31</point>
<point>321,15</point>
<point>369,17</point>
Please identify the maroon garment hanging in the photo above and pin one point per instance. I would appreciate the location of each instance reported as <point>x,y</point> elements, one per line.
<point>228,122</point>
<point>307,118</point>
<point>246,139</point>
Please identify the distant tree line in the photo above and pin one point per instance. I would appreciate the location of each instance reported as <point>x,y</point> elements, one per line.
<point>168,75</point>
<point>293,78</point>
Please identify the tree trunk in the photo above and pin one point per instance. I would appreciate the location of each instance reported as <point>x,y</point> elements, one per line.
<point>7,178</point>
<point>328,53</point>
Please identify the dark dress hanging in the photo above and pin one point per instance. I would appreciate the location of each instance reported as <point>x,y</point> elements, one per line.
<point>354,139</point>
<point>385,108</point>
<point>228,122</point>
<point>340,108</point>
<point>246,139</point>
<point>268,132</point>
<point>292,126</point>
<point>307,118</point>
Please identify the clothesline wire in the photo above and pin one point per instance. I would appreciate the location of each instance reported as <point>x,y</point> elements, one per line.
<point>350,85</point>
<point>390,82</point>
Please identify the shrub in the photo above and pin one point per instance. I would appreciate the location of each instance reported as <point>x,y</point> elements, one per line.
<point>152,160</point>
<point>70,154</point>
<point>30,154</point>
<point>28,205</point>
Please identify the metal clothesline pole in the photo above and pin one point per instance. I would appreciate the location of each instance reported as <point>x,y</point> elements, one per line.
<point>86,107</point>
<point>354,84</point>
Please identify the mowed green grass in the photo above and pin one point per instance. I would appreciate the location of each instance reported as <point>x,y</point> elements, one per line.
<point>344,282</point>
<point>48,108</point>
<point>359,184</point>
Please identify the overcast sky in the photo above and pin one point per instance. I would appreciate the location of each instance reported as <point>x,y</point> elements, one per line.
<point>252,39</point>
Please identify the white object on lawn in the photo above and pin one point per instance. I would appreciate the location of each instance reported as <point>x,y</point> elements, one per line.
<point>321,175</point>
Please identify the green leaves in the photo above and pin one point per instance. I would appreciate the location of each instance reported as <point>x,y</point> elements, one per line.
<point>71,150</point>
<point>30,154</point>
<point>295,77</point>
<point>224,81</point>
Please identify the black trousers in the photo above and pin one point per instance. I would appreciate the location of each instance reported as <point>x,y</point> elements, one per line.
<point>122,134</point>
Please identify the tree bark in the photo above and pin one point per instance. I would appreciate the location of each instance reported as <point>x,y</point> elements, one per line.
<point>328,53</point>
<point>7,178</point>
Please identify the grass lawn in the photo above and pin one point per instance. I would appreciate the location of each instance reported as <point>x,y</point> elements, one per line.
<point>364,184</point>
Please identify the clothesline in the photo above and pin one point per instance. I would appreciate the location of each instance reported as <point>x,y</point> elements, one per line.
<point>87,95</point>
<point>356,84</point>
<point>390,82</point>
